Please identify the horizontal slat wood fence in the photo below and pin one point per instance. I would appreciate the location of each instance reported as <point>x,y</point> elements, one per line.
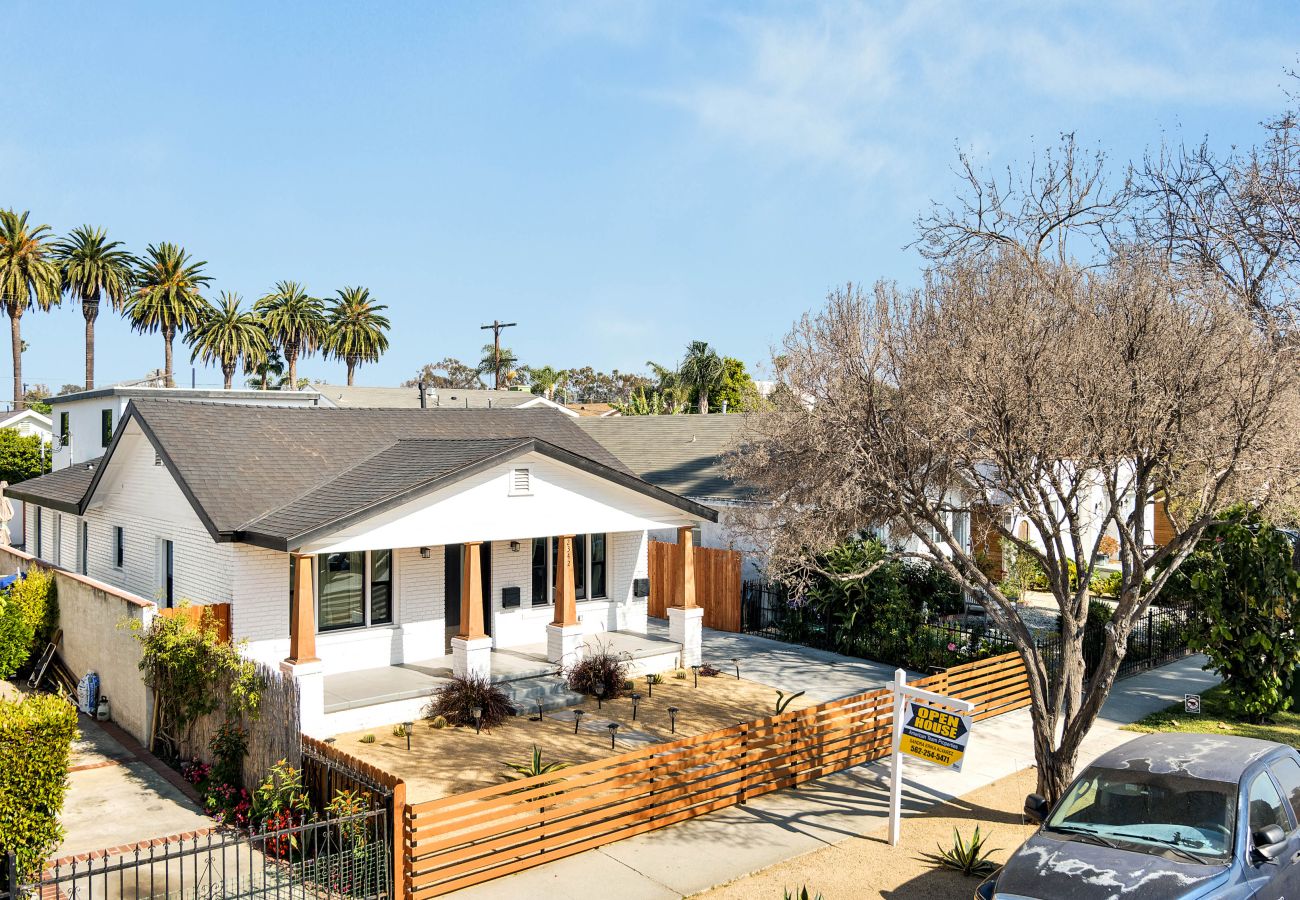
<point>194,613</point>
<point>717,583</point>
<point>466,839</point>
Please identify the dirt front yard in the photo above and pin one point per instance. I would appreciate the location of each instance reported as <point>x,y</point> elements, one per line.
<point>867,868</point>
<point>454,760</point>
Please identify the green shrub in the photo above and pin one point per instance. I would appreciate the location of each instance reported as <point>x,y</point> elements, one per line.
<point>36,735</point>
<point>27,619</point>
<point>1107,585</point>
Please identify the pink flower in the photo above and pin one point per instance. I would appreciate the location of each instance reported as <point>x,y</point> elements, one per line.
<point>952,646</point>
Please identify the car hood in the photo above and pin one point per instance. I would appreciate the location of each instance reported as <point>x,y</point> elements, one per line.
<point>1045,867</point>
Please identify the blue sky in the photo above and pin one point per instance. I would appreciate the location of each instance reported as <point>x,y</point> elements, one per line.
<point>617,177</point>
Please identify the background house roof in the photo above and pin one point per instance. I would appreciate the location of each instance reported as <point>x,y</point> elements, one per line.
<point>682,454</point>
<point>409,398</point>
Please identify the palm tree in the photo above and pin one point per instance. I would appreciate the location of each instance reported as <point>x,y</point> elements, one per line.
<point>28,274</point>
<point>93,266</point>
<point>294,322</point>
<point>546,379</point>
<point>270,366</point>
<point>166,297</point>
<point>701,370</point>
<point>226,334</point>
<point>501,364</point>
<point>356,330</point>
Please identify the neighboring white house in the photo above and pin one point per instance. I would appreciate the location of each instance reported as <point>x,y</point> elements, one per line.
<point>29,423</point>
<point>349,541</point>
<point>84,422</point>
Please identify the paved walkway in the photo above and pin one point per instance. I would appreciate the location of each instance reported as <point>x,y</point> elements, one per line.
<point>693,856</point>
<point>789,667</point>
<point>117,794</point>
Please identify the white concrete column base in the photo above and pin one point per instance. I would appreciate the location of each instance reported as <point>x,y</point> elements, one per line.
<point>310,678</point>
<point>563,643</point>
<point>686,627</point>
<point>471,656</point>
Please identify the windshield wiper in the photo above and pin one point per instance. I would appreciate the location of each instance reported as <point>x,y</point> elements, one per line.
<point>1166,842</point>
<point>1084,832</point>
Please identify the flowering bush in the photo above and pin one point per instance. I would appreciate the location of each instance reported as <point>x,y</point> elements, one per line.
<point>195,772</point>
<point>229,805</point>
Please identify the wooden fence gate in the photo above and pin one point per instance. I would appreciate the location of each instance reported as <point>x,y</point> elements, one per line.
<point>717,583</point>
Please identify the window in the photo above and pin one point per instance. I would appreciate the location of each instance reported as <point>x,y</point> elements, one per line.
<point>167,573</point>
<point>119,547</point>
<point>83,562</point>
<point>354,589</point>
<point>1265,807</point>
<point>590,568</point>
<point>521,482</point>
<point>65,432</point>
<point>58,538</point>
<point>37,540</point>
<point>1287,772</point>
<point>105,427</point>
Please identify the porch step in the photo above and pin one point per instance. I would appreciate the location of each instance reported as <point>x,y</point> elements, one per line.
<point>549,690</point>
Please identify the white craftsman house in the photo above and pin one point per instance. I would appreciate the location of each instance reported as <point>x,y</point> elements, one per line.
<point>372,552</point>
<point>28,423</point>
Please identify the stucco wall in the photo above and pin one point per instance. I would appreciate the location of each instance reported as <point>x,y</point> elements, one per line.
<point>93,616</point>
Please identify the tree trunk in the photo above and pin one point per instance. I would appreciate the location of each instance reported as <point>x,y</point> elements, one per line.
<point>90,309</point>
<point>291,355</point>
<point>169,332</point>
<point>228,372</point>
<point>352,368</point>
<point>16,338</point>
<point>704,402</point>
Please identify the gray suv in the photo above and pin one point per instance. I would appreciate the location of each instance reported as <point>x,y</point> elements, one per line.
<point>1166,817</point>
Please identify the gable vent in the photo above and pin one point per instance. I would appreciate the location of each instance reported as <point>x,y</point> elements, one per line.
<point>521,482</point>
<point>157,458</point>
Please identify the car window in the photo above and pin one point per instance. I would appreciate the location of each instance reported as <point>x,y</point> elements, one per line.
<point>1287,772</point>
<point>1266,805</point>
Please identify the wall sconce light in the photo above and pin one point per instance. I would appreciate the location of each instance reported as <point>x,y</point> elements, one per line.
<point>425,553</point>
<point>514,546</point>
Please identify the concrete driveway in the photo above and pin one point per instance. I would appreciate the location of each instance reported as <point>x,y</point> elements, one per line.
<point>823,675</point>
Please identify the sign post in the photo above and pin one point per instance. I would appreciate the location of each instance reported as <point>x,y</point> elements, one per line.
<point>925,726</point>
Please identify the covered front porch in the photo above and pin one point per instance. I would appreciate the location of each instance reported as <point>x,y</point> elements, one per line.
<point>369,698</point>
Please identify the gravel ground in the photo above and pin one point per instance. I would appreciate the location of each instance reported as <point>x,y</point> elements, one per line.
<point>867,868</point>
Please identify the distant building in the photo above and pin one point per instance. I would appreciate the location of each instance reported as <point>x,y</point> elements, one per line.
<point>434,398</point>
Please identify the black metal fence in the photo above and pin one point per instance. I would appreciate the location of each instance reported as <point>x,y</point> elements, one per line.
<point>348,856</point>
<point>766,609</point>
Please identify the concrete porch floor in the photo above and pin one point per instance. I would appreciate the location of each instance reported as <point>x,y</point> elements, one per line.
<point>370,687</point>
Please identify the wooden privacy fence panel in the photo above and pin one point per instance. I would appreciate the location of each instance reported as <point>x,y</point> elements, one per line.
<point>717,583</point>
<point>194,614</point>
<point>466,839</point>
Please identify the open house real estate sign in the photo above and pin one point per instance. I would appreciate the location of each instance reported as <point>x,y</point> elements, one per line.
<point>934,735</point>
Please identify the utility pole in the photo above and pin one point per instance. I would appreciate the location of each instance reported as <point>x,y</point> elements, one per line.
<point>496,349</point>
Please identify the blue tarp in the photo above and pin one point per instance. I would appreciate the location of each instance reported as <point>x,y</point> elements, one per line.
<point>8,581</point>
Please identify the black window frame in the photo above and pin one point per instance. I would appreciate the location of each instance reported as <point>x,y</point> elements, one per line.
<point>168,561</point>
<point>83,549</point>
<point>582,566</point>
<point>106,427</point>
<point>367,596</point>
<point>65,428</point>
<point>119,547</point>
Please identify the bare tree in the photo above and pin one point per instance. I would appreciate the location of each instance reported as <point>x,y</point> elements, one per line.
<point>1037,388</point>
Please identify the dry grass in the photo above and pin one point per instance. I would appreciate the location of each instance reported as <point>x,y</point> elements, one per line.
<point>867,868</point>
<point>454,760</point>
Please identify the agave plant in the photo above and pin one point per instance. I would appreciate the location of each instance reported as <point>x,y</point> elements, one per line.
<point>968,857</point>
<point>801,895</point>
<point>533,767</point>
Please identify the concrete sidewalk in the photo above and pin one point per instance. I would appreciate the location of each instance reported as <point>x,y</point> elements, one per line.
<point>693,856</point>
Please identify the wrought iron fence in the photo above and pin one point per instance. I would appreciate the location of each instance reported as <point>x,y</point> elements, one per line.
<point>1158,637</point>
<point>347,856</point>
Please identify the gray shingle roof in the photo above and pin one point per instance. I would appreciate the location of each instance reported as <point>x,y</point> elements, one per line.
<point>269,474</point>
<point>682,454</point>
<point>61,490</point>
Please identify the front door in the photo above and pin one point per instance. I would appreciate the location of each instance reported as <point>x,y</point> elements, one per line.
<point>452,561</point>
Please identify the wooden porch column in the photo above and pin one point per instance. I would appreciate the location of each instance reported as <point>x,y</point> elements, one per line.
<point>471,592</point>
<point>685,598</point>
<point>302,618</point>
<point>566,604</point>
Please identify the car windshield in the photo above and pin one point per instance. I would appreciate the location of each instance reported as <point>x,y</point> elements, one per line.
<point>1150,812</point>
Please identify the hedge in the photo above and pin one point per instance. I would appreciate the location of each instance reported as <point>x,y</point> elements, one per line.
<point>36,735</point>
<point>28,613</point>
